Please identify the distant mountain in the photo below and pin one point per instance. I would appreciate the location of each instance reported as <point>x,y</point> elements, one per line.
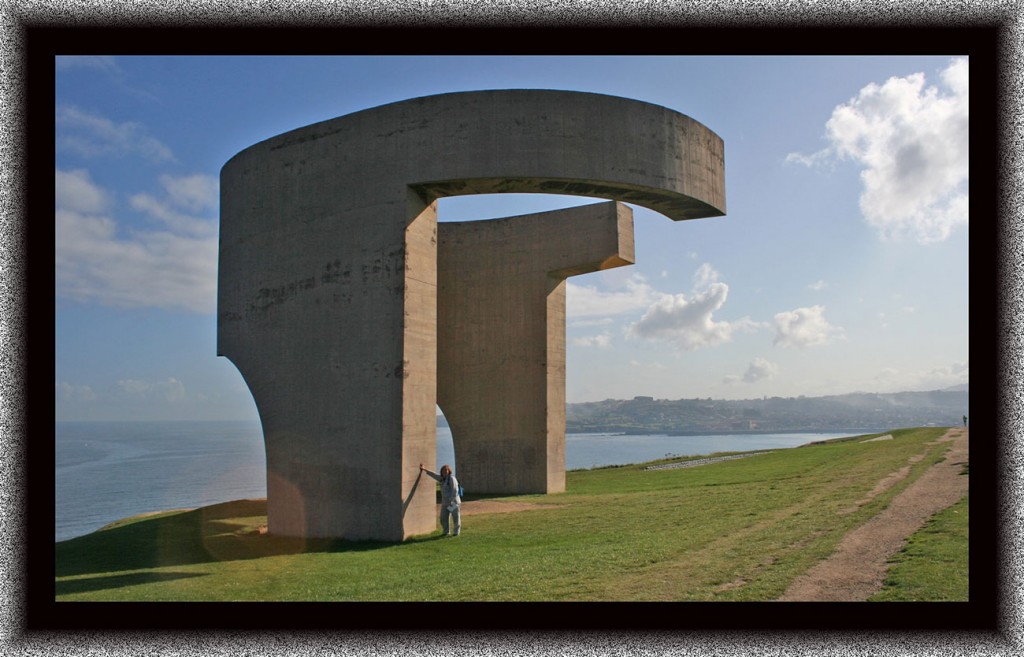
<point>851,412</point>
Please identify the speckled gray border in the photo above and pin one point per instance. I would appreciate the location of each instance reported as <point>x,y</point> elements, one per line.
<point>13,358</point>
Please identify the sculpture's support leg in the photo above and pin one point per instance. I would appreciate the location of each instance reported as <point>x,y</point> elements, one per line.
<point>501,337</point>
<point>338,349</point>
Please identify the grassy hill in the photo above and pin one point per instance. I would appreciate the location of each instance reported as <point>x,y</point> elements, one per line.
<point>733,530</point>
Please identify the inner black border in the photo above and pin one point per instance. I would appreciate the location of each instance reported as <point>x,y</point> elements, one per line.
<point>984,43</point>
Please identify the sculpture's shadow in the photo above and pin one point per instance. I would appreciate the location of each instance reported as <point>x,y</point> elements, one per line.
<point>230,531</point>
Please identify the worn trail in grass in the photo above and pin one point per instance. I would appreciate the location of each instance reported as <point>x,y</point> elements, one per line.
<point>734,530</point>
<point>855,571</point>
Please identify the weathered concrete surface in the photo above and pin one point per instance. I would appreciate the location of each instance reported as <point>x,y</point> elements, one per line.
<point>328,283</point>
<point>501,337</point>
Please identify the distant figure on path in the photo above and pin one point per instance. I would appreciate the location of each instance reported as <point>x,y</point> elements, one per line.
<point>965,422</point>
<point>450,500</point>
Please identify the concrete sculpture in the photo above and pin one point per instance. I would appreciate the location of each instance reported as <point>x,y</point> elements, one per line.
<point>328,280</point>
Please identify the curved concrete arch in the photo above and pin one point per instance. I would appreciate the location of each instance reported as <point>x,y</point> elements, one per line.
<point>327,296</point>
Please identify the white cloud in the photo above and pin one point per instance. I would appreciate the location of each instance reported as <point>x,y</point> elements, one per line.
<point>133,387</point>
<point>818,285</point>
<point>704,277</point>
<point>75,192</point>
<point>170,390</point>
<point>650,366</point>
<point>887,374</point>
<point>890,379</point>
<point>804,327</point>
<point>90,135</point>
<point>190,193</point>
<point>163,212</point>
<point>94,263</point>
<point>912,144</point>
<point>69,392</point>
<point>588,301</point>
<point>583,323</point>
<point>952,374</point>
<point>687,322</point>
<point>759,369</point>
<point>194,193</point>
<point>812,160</point>
<point>602,341</point>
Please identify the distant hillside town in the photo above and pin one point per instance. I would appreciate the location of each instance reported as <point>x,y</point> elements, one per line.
<point>852,412</point>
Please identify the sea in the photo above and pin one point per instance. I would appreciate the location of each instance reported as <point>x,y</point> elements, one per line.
<point>106,471</point>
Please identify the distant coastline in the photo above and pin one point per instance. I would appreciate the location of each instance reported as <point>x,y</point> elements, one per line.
<point>854,412</point>
<point>725,432</point>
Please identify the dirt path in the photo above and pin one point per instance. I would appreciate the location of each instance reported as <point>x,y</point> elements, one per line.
<point>856,569</point>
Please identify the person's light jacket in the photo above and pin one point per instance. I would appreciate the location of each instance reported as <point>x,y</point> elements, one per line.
<point>449,488</point>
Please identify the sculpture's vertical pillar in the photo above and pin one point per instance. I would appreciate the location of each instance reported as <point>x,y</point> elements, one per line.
<point>418,437</point>
<point>332,325</point>
<point>501,337</point>
<point>554,384</point>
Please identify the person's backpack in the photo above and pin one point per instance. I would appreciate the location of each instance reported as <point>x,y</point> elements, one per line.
<point>462,492</point>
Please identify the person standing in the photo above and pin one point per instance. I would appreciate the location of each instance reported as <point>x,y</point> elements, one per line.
<point>450,501</point>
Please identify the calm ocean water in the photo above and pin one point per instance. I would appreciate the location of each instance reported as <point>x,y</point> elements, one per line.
<point>111,470</point>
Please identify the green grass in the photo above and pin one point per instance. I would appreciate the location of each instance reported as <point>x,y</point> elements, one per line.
<point>933,565</point>
<point>734,530</point>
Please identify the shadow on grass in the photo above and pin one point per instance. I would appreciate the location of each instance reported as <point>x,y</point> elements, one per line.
<point>102,583</point>
<point>222,532</point>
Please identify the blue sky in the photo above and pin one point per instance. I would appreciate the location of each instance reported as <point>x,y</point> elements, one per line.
<point>841,264</point>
